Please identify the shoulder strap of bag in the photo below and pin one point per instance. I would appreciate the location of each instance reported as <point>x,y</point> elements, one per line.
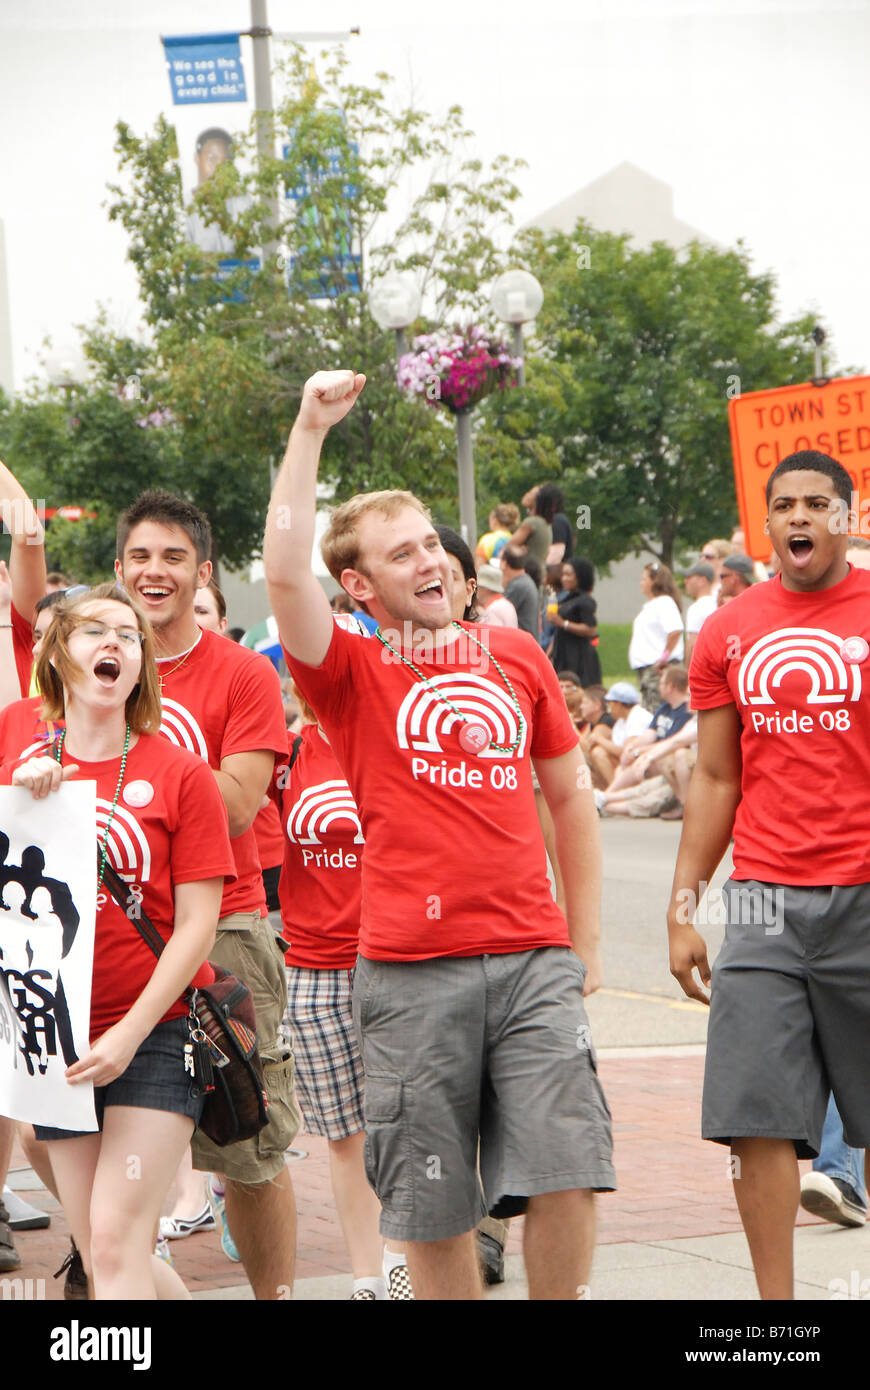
<point>132,908</point>
<point>294,751</point>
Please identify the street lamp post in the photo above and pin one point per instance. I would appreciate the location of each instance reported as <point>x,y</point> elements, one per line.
<point>516,298</point>
<point>394,301</point>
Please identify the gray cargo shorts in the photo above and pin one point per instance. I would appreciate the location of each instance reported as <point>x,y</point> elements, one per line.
<point>494,1049</point>
<point>789,1015</point>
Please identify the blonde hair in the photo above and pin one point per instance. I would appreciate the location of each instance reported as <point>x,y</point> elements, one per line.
<point>340,544</point>
<point>507,514</point>
<point>55,667</point>
<point>721,547</point>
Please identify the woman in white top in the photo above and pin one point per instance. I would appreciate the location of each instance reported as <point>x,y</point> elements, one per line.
<point>657,633</point>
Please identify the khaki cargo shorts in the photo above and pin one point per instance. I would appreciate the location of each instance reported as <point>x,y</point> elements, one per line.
<point>247,946</point>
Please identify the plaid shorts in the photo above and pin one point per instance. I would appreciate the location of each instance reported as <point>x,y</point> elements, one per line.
<point>329,1069</point>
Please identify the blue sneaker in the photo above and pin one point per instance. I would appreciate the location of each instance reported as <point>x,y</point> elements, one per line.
<point>219,1207</point>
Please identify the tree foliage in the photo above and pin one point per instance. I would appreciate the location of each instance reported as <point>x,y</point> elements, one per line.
<point>205,404</point>
<point>636,354</point>
<point>234,360</point>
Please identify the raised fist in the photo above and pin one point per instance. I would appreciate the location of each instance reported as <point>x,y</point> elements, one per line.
<point>327,398</point>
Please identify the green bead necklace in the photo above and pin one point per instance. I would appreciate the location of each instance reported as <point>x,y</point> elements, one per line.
<point>104,846</point>
<point>496,748</point>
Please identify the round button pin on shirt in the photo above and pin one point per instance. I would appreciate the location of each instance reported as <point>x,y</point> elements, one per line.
<point>855,650</point>
<point>474,738</point>
<point>138,794</point>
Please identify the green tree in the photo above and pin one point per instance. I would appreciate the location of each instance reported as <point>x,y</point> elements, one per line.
<point>231,355</point>
<point>627,394</point>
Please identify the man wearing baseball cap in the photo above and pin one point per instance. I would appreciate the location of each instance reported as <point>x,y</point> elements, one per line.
<point>735,577</point>
<point>698,584</point>
<point>630,718</point>
<point>496,610</point>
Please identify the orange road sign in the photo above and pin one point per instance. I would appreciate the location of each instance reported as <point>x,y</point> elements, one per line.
<point>767,426</point>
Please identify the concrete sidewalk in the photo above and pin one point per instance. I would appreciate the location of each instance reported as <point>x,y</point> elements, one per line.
<point>670,1232</point>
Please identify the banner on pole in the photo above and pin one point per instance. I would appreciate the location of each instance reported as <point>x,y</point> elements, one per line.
<point>48,893</point>
<point>337,269</point>
<point>205,68</point>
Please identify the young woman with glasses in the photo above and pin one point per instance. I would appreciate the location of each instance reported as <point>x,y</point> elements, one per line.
<point>158,805</point>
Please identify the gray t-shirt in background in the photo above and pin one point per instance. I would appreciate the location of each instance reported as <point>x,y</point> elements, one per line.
<point>523,594</point>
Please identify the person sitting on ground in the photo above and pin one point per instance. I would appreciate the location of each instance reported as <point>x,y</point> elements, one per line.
<point>520,590</point>
<point>662,794</point>
<point>593,711</point>
<point>503,521</point>
<point>573,692</point>
<point>670,715</point>
<point>495,609</point>
<point>643,754</point>
<point>629,718</point>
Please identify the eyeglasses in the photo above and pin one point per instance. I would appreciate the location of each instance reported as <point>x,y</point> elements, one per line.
<point>97,630</point>
<point>705,555</point>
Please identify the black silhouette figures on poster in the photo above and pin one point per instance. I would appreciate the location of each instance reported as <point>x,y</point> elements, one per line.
<point>43,1013</point>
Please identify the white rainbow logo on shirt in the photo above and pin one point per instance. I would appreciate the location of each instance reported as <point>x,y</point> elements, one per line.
<point>180,727</point>
<point>811,650</point>
<point>318,808</point>
<point>424,719</point>
<point>129,850</point>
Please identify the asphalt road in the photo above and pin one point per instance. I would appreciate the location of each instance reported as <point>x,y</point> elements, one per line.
<point>640,1003</point>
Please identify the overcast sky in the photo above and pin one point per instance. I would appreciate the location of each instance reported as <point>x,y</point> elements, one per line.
<point>756,114</point>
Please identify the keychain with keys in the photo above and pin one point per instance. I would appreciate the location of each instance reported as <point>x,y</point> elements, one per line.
<point>204,1071</point>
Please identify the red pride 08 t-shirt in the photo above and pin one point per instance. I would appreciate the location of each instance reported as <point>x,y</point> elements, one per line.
<point>169,827</point>
<point>454,862</point>
<point>321,877</point>
<point>797,667</point>
<point>220,700</point>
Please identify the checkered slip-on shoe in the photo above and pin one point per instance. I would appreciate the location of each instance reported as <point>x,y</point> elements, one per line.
<point>177,1227</point>
<point>364,1296</point>
<point>399,1285</point>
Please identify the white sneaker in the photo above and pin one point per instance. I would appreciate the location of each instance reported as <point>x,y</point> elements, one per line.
<point>22,1216</point>
<point>832,1199</point>
<point>177,1227</point>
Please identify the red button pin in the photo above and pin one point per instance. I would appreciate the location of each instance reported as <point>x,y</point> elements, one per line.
<point>474,738</point>
<point>855,650</point>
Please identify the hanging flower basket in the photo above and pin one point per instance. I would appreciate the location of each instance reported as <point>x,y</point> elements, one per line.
<point>456,368</point>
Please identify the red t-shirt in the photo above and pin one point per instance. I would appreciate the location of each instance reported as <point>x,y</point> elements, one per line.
<point>22,729</point>
<point>225,699</point>
<point>321,880</point>
<point>269,836</point>
<point>22,646</point>
<point>454,862</point>
<point>804,817</point>
<point>179,836</point>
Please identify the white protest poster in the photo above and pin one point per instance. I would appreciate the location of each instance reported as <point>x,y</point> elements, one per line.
<point>48,890</point>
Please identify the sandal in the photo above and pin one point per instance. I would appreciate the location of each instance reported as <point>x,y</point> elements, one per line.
<point>176,1227</point>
